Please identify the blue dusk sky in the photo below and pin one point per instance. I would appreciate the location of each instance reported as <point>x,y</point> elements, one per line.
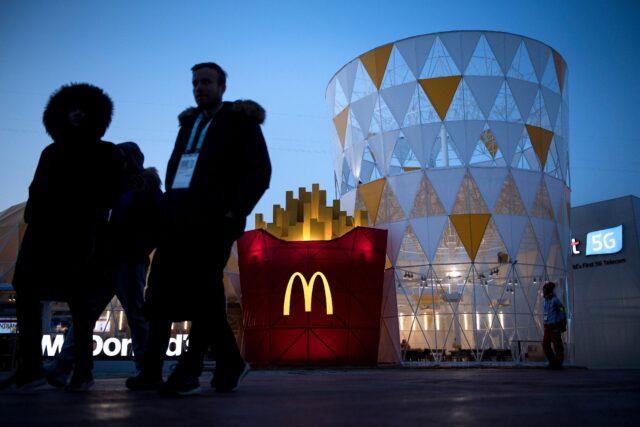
<point>283,54</point>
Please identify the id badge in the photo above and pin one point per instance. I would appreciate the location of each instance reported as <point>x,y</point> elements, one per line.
<point>185,171</point>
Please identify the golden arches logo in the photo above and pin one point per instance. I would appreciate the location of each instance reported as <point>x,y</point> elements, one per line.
<point>307,288</point>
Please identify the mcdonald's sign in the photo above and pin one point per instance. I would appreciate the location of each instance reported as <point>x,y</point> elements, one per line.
<point>341,282</point>
<point>307,288</point>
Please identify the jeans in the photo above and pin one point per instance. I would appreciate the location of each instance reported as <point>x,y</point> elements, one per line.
<point>128,281</point>
<point>552,345</point>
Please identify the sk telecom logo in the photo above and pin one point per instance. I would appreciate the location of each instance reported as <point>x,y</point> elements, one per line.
<point>307,288</point>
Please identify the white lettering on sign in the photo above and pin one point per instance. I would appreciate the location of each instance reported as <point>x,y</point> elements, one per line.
<point>608,241</point>
<point>111,347</point>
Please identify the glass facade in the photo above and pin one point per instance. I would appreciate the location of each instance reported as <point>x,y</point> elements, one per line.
<point>457,144</point>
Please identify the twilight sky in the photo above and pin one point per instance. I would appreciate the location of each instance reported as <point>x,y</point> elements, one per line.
<point>283,54</point>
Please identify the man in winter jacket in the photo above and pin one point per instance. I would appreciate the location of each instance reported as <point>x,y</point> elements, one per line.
<point>217,172</point>
<point>555,321</point>
<point>76,183</point>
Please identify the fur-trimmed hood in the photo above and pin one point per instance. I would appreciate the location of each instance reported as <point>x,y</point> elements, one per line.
<point>95,103</point>
<point>247,107</point>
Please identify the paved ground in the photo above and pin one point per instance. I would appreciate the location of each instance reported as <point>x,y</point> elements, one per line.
<point>371,397</point>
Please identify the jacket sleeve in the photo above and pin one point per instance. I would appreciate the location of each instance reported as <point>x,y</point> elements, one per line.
<point>256,175</point>
<point>37,190</point>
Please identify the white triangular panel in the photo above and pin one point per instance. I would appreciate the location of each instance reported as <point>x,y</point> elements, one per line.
<point>420,110</point>
<point>421,140</point>
<point>552,101</point>
<point>464,105</point>
<point>521,67</point>
<point>347,78</point>
<point>439,62</point>
<point>366,169</point>
<point>354,156</point>
<point>564,232</point>
<point>550,77</point>
<point>485,89</point>
<point>446,183</point>
<point>363,109</point>
<point>465,135</point>
<point>353,131</point>
<point>539,55</point>
<point>483,62</point>
<point>391,139</point>
<point>405,187</point>
<point>382,113</point>
<point>507,136</point>
<point>461,46</point>
<point>563,154</point>
<point>544,229</point>
<point>524,94</point>
<point>396,231</point>
<point>415,51</point>
<point>527,183</point>
<point>511,228</point>
<point>348,201</point>
<point>504,47</point>
<point>538,115</point>
<point>398,98</point>
<point>489,182</point>
<point>397,72</point>
<point>555,188</point>
<point>505,108</point>
<point>382,152</point>
<point>429,233</point>
<point>363,85</point>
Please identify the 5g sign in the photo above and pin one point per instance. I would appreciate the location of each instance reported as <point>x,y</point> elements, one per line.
<point>607,241</point>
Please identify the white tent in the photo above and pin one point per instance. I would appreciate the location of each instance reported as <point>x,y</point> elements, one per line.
<point>12,229</point>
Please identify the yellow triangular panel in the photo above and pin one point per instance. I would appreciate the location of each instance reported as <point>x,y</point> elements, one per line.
<point>470,228</point>
<point>375,62</point>
<point>340,121</point>
<point>541,140</point>
<point>561,69</point>
<point>440,91</point>
<point>370,194</point>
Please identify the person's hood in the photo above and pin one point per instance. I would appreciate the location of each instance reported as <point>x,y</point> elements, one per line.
<point>147,179</point>
<point>94,101</point>
<point>249,108</point>
<point>133,155</point>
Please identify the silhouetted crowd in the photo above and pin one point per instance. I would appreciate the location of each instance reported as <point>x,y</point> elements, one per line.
<point>119,216</point>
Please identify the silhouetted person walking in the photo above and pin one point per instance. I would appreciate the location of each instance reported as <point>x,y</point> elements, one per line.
<point>76,183</point>
<point>217,172</point>
<point>555,323</point>
<point>132,236</point>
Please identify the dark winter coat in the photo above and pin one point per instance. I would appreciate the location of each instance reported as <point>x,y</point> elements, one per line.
<point>134,221</point>
<point>77,181</point>
<point>232,173</point>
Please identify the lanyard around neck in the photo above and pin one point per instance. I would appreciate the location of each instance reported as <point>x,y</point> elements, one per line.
<point>203,133</point>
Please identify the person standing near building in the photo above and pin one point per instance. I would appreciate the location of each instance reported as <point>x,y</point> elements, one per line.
<point>132,236</point>
<point>217,172</point>
<point>77,182</point>
<point>555,323</point>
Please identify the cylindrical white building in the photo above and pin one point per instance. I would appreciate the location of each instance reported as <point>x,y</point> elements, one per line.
<point>457,143</point>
